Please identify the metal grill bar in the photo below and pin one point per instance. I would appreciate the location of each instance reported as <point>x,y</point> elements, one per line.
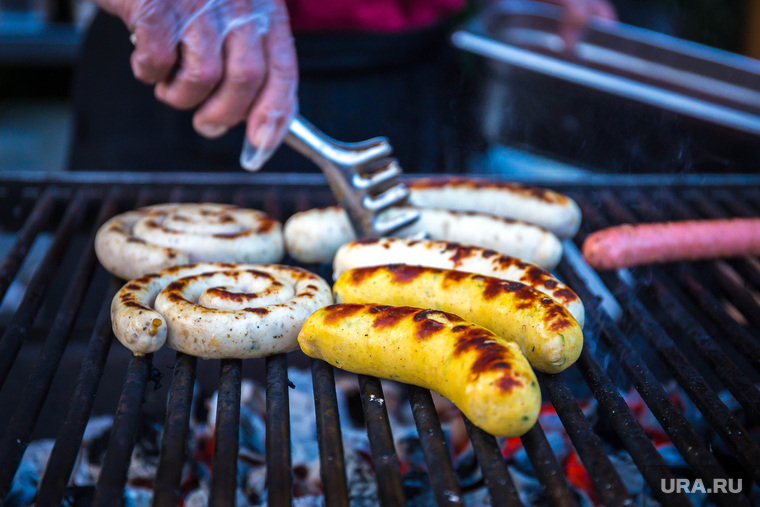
<point>739,295</point>
<point>500,485</point>
<point>587,443</point>
<point>16,436</point>
<point>634,438</point>
<point>727,327</point>
<point>121,442</point>
<point>695,386</point>
<point>69,439</point>
<point>11,341</point>
<point>731,330</point>
<point>732,377</point>
<point>226,434</point>
<point>683,436</point>
<point>384,456</point>
<point>332,466</point>
<point>279,479</point>
<point>174,441</point>
<point>547,468</point>
<point>34,222</point>
<point>437,457</point>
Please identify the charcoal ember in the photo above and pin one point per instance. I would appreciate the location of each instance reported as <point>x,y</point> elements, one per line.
<point>362,484</point>
<point>144,461</point>
<point>417,488</point>
<point>478,498</point>
<point>200,498</point>
<point>78,496</point>
<point>137,497</point>
<point>29,473</point>
<point>467,469</point>
<point>306,480</point>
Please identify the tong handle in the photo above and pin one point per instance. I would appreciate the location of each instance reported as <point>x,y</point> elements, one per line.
<point>339,162</point>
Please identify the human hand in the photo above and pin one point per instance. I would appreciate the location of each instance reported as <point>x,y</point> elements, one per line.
<point>233,60</point>
<point>578,14</point>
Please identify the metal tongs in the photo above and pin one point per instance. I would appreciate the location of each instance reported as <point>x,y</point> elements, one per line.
<point>363,176</point>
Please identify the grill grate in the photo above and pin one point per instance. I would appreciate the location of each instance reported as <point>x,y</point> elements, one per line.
<point>674,326</point>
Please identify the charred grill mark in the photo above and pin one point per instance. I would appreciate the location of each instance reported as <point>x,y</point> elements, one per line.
<point>403,273</point>
<point>171,254</point>
<point>565,295</point>
<point>133,239</point>
<point>358,275</point>
<point>367,241</point>
<point>506,383</point>
<point>550,284</point>
<point>460,252</point>
<point>535,276</point>
<point>175,298</point>
<point>233,235</point>
<point>491,356</point>
<point>176,285</point>
<point>541,194</point>
<point>557,318</point>
<point>488,253</point>
<point>454,276</point>
<point>237,297</point>
<point>427,326</point>
<point>390,316</point>
<point>226,219</point>
<point>133,286</point>
<point>267,224</point>
<point>337,313</point>
<point>132,304</point>
<point>257,311</point>
<point>506,262</point>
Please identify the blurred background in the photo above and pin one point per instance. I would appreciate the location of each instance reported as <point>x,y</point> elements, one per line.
<point>43,91</point>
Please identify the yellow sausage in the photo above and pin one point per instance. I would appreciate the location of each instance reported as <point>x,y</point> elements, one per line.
<point>547,334</point>
<point>485,376</point>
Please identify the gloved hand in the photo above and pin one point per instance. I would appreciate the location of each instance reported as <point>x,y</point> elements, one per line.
<point>232,59</point>
<point>578,14</point>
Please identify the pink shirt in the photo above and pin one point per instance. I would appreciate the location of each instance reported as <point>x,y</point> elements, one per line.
<point>368,15</point>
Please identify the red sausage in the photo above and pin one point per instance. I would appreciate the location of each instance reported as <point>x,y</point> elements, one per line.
<point>631,245</point>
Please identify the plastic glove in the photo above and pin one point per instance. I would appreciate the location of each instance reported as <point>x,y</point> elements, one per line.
<point>232,59</point>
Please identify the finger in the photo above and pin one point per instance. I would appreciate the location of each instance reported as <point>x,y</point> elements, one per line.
<point>574,21</point>
<point>244,74</point>
<point>605,10</point>
<point>200,69</point>
<point>155,53</point>
<point>275,106</point>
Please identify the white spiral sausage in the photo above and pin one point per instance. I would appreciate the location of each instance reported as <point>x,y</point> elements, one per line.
<point>217,310</point>
<point>445,255</point>
<point>152,238</point>
<point>315,235</point>
<point>551,210</point>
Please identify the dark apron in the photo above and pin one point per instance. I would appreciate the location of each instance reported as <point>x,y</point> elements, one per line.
<point>352,86</point>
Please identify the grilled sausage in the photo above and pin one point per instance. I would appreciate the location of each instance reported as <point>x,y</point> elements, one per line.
<point>156,237</point>
<point>485,376</point>
<point>632,245</point>
<point>440,254</point>
<point>547,334</point>
<point>216,310</point>
<point>546,208</point>
<point>315,235</point>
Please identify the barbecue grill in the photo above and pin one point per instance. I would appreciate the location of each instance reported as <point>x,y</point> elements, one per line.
<point>695,323</point>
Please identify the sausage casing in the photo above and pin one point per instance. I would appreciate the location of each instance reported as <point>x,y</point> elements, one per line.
<point>547,334</point>
<point>487,377</point>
